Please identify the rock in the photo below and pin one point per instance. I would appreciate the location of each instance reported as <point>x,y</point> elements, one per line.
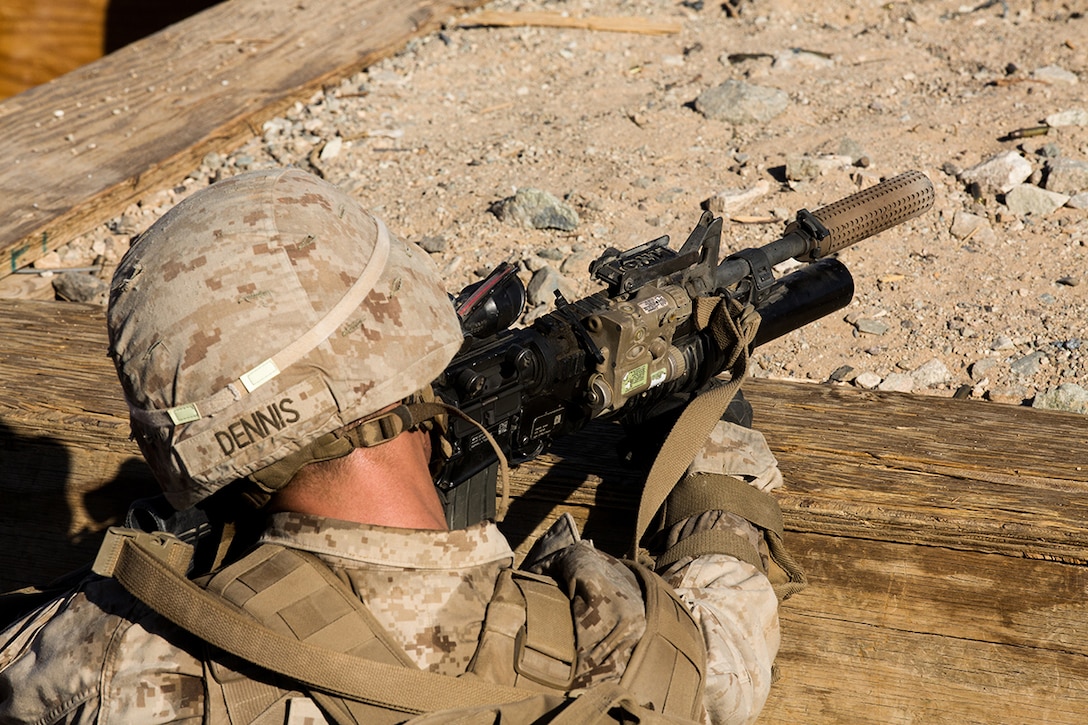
<point>999,173</point>
<point>1002,342</point>
<point>1067,396</point>
<point>331,149</point>
<point>739,103</point>
<point>850,147</point>
<point>1012,395</point>
<point>869,326</point>
<point>1072,117</point>
<point>795,58</point>
<point>577,263</point>
<point>867,381</point>
<point>81,287</point>
<point>541,288</point>
<point>1078,201</point>
<point>981,368</point>
<point>972,226</point>
<point>729,201</point>
<point>1067,176</point>
<point>536,209</point>
<point>1054,74</point>
<point>897,383</point>
<point>555,254</point>
<point>1029,364</point>
<point>801,167</point>
<point>433,243</point>
<point>844,374</point>
<point>1027,199</point>
<point>932,374</point>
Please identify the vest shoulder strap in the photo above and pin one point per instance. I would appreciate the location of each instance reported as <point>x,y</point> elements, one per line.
<point>148,576</point>
<point>668,666</point>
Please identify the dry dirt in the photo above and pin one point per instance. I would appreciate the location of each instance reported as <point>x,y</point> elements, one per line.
<point>607,121</point>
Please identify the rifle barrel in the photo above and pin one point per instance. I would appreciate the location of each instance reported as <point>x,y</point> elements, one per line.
<point>847,221</point>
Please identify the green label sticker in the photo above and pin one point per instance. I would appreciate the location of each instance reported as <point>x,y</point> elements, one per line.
<point>635,379</point>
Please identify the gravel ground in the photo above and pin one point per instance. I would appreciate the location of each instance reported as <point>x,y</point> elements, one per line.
<point>769,106</point>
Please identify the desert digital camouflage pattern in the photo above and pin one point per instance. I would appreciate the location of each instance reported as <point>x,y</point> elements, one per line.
<point>261,313</point>
<point>97,653</point>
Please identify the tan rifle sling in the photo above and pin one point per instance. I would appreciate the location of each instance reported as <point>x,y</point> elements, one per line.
<point>667,486</point>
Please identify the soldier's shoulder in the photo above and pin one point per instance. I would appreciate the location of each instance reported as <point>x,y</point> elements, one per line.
<point>72,651</point>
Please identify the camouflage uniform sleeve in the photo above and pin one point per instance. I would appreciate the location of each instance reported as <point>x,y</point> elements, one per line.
<point>95,656</point>
<point>732,602</point>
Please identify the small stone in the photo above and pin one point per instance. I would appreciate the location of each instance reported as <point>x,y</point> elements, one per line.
<point>536,209</point>
<point>81,287</point>
<point>1027,199</point>
<point>801,167</point>
<point>971,226</point>
<point>1010,395</point>
<point>980,369</point>
<point>1067,176</point>
<point>577,263</point>
<point>1072,117</point>
<point>1002,342</point>
<point>1068,281</point>
<point>999,173</point>
<point>740,103</point>
<point>434,244</point>
<point>843,374</point>
<point>1069,397</point>
<point>1078,201</point>
<point>795,58</point>
<point>331,149</point>
<point>1054,74</point>
<point>932,374</point>
<point>552,253</point>
<point>897,383</point>
<point>867,381</point>
<point>869,326</point>
<point>729,201</point>
<point>1029,364</point>
<point>541,288</point>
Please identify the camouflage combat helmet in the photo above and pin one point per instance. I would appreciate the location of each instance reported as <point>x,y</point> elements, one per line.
<point>261,314</point>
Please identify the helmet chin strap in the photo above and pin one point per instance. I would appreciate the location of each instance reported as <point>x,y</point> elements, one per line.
<point>420,411</point>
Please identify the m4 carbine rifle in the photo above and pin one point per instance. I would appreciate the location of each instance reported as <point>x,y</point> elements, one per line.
<point>628,350</point>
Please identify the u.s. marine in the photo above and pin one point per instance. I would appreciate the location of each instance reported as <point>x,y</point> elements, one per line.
<point>273,373</point>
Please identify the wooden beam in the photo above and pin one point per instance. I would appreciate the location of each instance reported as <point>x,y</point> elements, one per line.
<point>897,633</point>
<point>947,582</point>
<point>79,149</point>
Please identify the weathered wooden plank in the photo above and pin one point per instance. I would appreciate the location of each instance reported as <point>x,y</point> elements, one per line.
<point>913,614</point>
<point>1023,603</point>
<point>845,478</point>
<point>146,115</point>
<point>896,633</point>
<point>946,472</point>
<point>851,673</point>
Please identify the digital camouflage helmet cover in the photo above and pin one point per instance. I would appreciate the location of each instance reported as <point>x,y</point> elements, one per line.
<point>260,314</point>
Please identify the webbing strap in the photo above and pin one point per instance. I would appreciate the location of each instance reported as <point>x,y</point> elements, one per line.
<point>668,666</point>
<point>702,491</point>
<point>712,541</point>
<point>193,609</point>
<point>691,430</point>
<point>546,650</point>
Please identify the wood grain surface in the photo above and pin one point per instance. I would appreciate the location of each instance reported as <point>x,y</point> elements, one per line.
<point>944,539</point>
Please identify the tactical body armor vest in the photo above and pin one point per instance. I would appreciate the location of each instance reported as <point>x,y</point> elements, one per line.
<point>287,640</point>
